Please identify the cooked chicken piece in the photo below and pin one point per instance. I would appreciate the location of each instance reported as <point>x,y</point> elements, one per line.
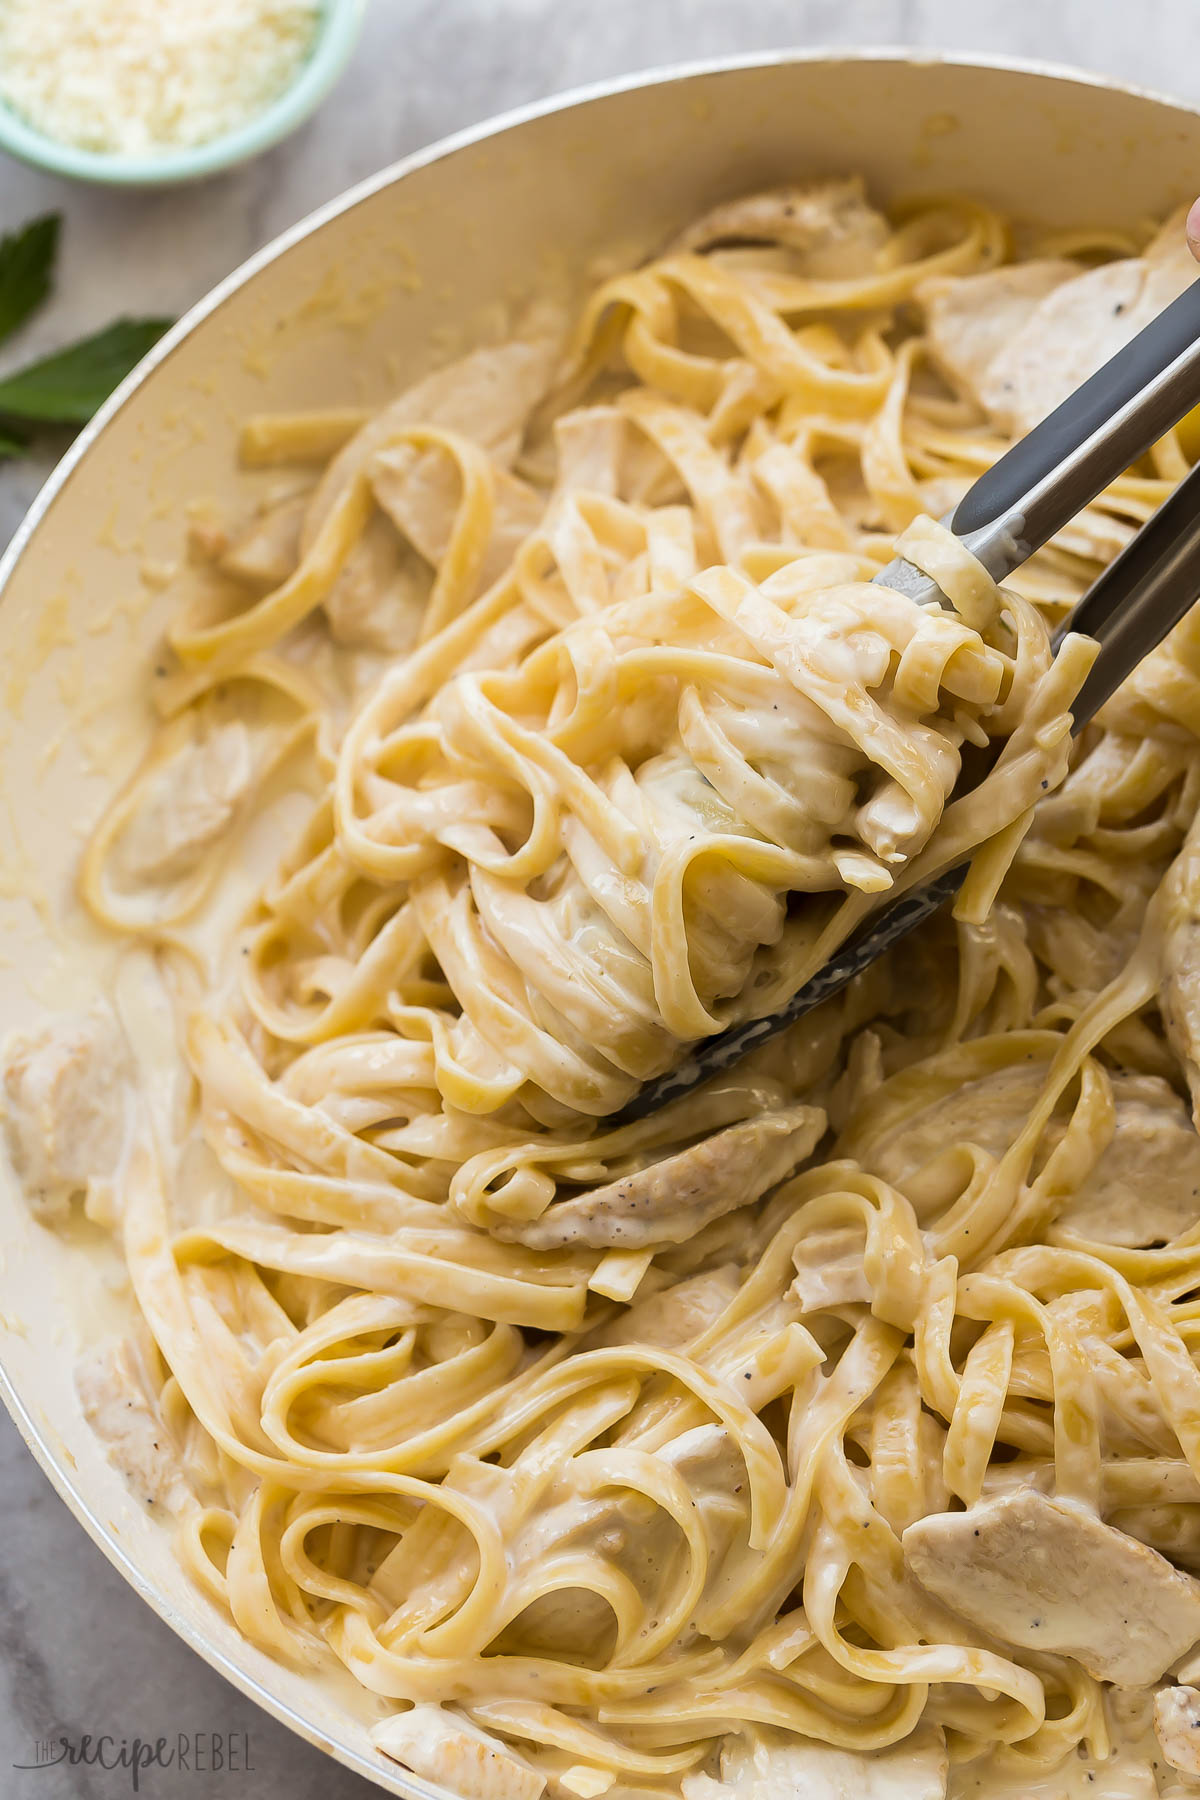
<point>381,591</point>
<point>1069,335</point>
<point>267,551</point>
<point>1047,1574</point>
<point>597,451</point>
<point>1083,956</point>
<point>119,1405</point>
<point>591,445</point>
<point>419,491</point>
<point>1076,325</point>
<point>486,396</point>
<point>438,1743</point>
<point>66,1105</point>
<point>676,1316</point>
<point>669,1201</point>
<point>829,1269</point>
<point>970,318</point>
<point>1179,977</point>
<point>715,1476</point>
<point>642,1541</point>
<point>1145,1188</point>
<point>988,1112</point>
<point>828,223</point>
<point>1177,1727</point>
<point>187,804</point>
<point>764,1765</point>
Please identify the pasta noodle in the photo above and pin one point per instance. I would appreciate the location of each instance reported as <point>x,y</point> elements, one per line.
<point>841,1418</point>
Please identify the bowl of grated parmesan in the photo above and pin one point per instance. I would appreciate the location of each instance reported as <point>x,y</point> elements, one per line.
<point>140,94</point>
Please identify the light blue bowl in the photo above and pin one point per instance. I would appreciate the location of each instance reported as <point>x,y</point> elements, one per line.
<point>335,37</point>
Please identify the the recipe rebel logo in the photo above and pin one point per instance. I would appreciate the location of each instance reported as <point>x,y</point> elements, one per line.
<point>208,1753</point>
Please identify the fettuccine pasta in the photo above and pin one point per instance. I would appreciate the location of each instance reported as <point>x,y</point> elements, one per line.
<point>833,1430</point>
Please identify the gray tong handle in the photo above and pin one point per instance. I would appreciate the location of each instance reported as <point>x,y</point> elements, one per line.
<point>1011,511</point>
<point>1140,597</point>
<point>1059,467</point>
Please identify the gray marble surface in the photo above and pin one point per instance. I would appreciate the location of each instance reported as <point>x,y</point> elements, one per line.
<point>77,1650</point>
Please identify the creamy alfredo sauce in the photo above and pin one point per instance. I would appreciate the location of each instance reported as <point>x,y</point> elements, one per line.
<point>835,1431</point>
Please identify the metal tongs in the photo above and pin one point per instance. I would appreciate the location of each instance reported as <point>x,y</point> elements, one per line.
<point>1035,489</point>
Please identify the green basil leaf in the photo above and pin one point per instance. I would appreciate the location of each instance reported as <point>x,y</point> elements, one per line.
<point>26,269</point>
<point>69,386</point>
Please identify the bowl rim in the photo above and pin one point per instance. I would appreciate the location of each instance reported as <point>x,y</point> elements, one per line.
<point>338,25</point>
<point>380,1774</point>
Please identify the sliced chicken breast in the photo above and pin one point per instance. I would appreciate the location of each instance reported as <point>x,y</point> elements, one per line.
<point>766,1766</point>
<point>669,1201</point>
<point>1045,1574</point>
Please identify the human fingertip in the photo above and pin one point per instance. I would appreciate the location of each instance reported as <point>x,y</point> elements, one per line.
<point>1193,229</point>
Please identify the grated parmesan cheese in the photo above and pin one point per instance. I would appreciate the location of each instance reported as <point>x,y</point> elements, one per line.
<point>146,75</point>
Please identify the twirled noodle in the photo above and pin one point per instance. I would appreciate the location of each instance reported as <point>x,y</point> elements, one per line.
<point>842,1418</point>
